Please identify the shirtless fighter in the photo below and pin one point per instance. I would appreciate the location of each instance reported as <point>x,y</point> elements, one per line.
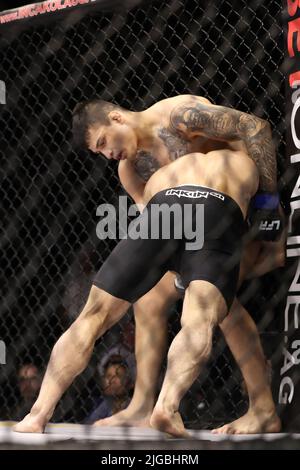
<point>144,142</point>
<point>222,183</point>
<point>168,130</point>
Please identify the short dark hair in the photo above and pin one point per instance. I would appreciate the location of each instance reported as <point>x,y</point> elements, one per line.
<point>87,113</point>
<point>115,360</point>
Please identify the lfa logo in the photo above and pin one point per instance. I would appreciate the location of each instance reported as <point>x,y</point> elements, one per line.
<point>265,225</point>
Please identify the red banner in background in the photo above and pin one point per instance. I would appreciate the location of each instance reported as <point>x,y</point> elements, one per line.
<point>289,368</point>
<point>36,9</point>
<point>54,6</point>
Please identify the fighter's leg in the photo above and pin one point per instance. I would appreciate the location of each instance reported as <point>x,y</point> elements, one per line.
<point>242,337</point>
<point>204,307</point>
<point>133,268</point>
<point>71,354</point>
<point>150,347</point>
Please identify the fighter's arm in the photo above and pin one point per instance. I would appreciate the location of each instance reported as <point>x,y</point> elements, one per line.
<point>195,118</point>
<point>133,184</point>
<point>270,256</point>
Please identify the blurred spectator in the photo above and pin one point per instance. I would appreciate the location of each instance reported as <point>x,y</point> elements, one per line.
<point>116,386</point>
<point>125,349</point>
<point>29,383</point>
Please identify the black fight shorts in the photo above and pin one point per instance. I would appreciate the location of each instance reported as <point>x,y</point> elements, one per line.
<point>192,230</point>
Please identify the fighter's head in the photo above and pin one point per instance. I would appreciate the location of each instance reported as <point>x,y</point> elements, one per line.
<point>105,128</point>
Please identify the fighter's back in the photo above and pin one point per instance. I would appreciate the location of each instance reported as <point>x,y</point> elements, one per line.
<point>232,173</point>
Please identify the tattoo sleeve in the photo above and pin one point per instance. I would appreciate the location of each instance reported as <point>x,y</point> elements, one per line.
<point>229,124</point>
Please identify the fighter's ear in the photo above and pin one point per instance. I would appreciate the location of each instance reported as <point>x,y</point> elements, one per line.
<point>116,116</point>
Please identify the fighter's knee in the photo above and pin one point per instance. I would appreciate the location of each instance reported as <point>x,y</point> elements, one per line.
<point>97,303</point>
<point>96,312</point>
<point>142,306</point>
<point>151,305</point>
<point>103,309</point>
<point>206,301</point>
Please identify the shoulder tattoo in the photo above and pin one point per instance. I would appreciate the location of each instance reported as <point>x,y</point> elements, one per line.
<point>215,122</point>
<point>177,146</point>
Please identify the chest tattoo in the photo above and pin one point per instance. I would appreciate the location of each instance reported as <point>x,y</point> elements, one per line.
<point>145,164</point>
<point>176,145</point>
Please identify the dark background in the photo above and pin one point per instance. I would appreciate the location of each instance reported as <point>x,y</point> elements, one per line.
<point>231,52</point>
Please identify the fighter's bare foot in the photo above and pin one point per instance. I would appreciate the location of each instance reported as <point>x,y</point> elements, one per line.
<point>168,422</point>
<point>126,418</point>
<point>252,423</point>
<point>29,424</point>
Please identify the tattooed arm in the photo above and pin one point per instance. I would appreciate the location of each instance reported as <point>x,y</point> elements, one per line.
<point>197,118</point>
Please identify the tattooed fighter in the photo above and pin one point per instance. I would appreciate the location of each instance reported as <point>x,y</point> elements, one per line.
<point>143,142</point>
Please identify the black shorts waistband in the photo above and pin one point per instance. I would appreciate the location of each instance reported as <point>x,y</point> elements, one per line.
<point>193,193</point>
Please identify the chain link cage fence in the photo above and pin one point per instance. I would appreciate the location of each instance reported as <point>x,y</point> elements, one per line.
<point>231,52</point>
